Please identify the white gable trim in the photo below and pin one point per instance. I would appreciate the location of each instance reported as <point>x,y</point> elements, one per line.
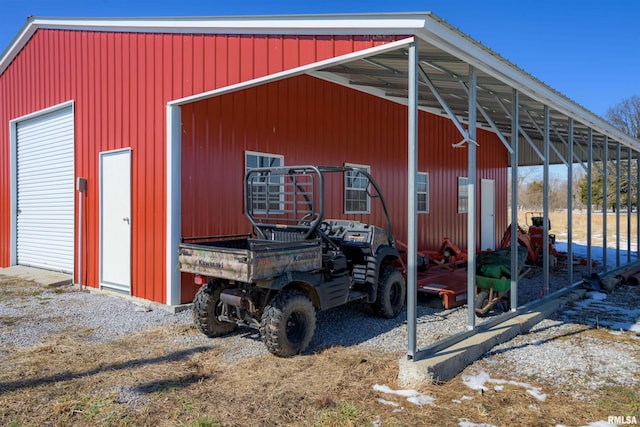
<point>295,71</point>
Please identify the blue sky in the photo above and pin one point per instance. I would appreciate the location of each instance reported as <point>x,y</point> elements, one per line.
<point>589,51</point>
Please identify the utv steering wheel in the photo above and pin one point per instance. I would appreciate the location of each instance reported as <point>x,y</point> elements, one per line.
<point>307,219</point>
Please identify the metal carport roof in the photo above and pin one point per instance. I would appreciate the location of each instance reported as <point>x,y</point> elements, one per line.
<point>444,57</point>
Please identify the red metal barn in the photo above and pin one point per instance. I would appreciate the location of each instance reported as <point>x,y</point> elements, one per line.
<point>162,117</point>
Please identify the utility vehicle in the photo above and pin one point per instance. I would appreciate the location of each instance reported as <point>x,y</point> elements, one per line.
<point>295,263</point>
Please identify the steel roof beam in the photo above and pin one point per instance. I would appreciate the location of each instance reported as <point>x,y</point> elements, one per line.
<point>443,103</point>
<point>570,135</point>
<point>501,104</point>
<point>523,132</point>
<point>543,132</point>
<point>488,119</point>
<point>493,125</point>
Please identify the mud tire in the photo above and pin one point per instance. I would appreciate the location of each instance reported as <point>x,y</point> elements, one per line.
<point>392,293</point>
<point>288,323</point>
<point>206,310</point>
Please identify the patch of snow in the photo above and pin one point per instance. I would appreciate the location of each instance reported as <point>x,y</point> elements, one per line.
<point>596,296</point>
<point>476,382</point>
<point>499,388</point>
<point>463,422</point>
<point>421,399</point>
<point>387,402</point>
<point>537,393</point>
<point>464,397</point>
<point>600,424</point>
<point>388,390</point>
<point>412,395</point>
<point>377,422</point>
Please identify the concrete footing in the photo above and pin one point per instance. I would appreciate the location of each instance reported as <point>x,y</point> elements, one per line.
<point>42,277</point>
<point>445,364</point>
<point>54,279</point>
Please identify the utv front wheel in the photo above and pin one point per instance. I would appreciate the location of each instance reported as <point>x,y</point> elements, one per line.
<point>288,323</point>
<point>392,293</point>
<point>207,308</point>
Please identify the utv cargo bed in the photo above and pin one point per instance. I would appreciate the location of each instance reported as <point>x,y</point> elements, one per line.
<point>249,260</point>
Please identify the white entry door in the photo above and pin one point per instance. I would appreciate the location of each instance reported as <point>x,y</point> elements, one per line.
<point>115,220</point>
<point>487,214</point>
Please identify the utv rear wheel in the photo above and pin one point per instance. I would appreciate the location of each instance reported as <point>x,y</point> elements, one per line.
<point>392,293</point>
<point>288,323</point>
<point>207,308</point>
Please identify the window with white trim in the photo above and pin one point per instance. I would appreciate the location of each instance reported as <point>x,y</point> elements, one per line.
<point>463,194</point>
<point>422,191</point>
<point>356,190</point>
<point>266,192</point>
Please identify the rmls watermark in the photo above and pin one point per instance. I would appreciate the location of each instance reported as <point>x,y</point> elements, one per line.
<point>622,420</point>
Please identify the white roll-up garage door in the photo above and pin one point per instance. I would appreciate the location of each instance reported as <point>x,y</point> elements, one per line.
<point>45,190</point>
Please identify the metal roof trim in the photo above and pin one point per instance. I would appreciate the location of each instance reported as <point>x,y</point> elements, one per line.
<point>378,24</point>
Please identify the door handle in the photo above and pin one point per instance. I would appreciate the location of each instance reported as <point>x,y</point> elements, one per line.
<point>126,219</point>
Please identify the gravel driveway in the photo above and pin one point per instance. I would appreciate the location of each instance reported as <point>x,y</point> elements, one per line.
<point>593,343</point>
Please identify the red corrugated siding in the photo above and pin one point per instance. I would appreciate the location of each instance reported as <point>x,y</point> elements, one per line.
<point>120,83</point>
<point>311,121</point>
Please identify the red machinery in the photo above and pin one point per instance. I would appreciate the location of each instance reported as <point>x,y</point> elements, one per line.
<point>532,239</point>
<point>448,256</point>
<point>438,272</point>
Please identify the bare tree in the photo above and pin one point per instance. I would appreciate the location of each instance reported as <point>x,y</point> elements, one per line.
<point>625,115</point>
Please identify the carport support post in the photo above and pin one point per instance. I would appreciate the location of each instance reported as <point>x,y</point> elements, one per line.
<point>629,194</point>
<point>570,205</point>
<point>412,169</point>
<point>589,198</point>
<point>545,205</point>
<point>174,149</point>
<point>605,196</point>
<point>471,211</point>
<point>514,199</point>
<point>618,172</point>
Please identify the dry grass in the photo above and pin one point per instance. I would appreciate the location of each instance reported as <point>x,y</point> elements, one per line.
<point>148,379</point>
<point>559,226</point>
<point>143,380</point>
